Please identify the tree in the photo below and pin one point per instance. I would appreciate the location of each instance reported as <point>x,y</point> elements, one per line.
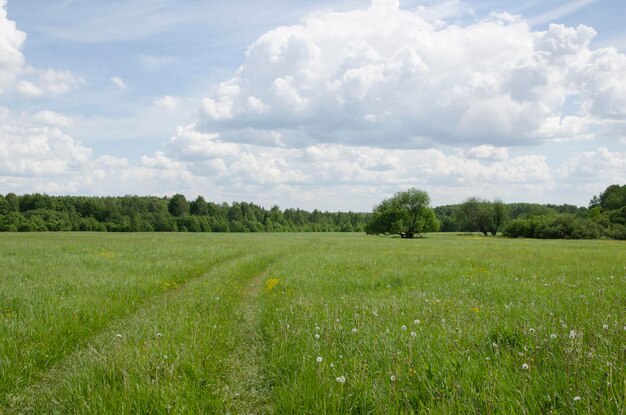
<point>483,215</point>
<point>178,205</point>
<point>613,197</point>
<point>406,214</point>
<point>199,207</point>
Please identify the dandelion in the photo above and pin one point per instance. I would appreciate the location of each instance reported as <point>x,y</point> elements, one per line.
<point>317,336</point>
<point>577,398</point>
<point>494,344</point>
<point>553,336</point>
<point>416,321</point>
<point>354,330</point>
<point>413,334</point>
<point>572,334</point>
<point>531,330</point>
<point>118,335</point>
<point>317,328</point>
<point>337,321</point>
<point>387,331</point>
<point>525,366</point>
<point>443,321</point>
<point>332,365</point>
<point>159,335</point>
<point>319,359</point>
<point>403,327</point>
<point>605,326</point>
<point>341,379</point>
<point>392,378</point>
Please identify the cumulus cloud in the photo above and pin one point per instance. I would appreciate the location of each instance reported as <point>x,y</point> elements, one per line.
<point>389,77</point>
<point>594,166</point>
<point>11,57</point>
<point>28,149</point>
<point>25,80</point>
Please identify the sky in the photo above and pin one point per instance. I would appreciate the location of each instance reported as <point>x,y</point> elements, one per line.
<point>330,105</point>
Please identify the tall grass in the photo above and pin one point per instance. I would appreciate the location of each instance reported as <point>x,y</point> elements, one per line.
<point>310,323</point>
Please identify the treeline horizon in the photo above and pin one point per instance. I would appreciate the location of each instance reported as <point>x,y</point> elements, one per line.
<point>40,212</point>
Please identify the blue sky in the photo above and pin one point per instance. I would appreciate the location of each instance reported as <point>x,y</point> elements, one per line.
<point>325,104</point>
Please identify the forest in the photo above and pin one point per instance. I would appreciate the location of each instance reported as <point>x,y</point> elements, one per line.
<point>605,217</point>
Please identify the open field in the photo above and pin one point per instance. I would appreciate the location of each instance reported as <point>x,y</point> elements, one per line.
<point>216,323</point>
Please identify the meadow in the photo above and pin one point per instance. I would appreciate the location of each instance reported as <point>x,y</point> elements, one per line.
<point>96,323</point>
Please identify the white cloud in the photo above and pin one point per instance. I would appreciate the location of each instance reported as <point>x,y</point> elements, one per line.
<point>487,152</point>
<point>389,77</point>
<point>30,150</point>
<point>599,166</point>
<point>168,103</point>
<point>118,82</point>
<point>11,57</point>
<point>53,119</point>
<point>25,80</point>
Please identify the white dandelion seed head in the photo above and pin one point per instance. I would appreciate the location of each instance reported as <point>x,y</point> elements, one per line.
<point>443,321</point>
<point>341,379</point>
<point>553,336</point>
<point>605,326</point>
<point>403,327</point>
<point>416,321</point>
<point>494,344</point>
<point>525,366</point>
<point>159,335</point>
<point>317,336</point>
<point>413,334</point>
<point>319,359</point>
<point>332,365</point>
<point>118,335</point>
<point>338,321</point>
<point>354,330</point>
<point>392,378</point>
<point>572,334</point>
<point>317,328</point>
<point>577,398</point>
<point>531,330</point>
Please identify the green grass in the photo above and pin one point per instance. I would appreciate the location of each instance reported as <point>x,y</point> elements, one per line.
<point>217,323</point>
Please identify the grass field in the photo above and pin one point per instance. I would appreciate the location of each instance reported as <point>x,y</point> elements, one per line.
<point>310,323</point>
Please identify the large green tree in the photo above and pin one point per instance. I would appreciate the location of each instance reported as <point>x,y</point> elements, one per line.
<point>406,214</point>
<point>483,215</point>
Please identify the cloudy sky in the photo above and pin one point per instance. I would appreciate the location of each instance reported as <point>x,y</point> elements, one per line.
<point>327,104</point>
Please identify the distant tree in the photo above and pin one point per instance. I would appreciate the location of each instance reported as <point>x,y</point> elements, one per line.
<point>178,205</point>
<point>199,207</point>
<point>483,215</point>
<point>13,202</point>
<point>406,214</point>
<point>613,197</point>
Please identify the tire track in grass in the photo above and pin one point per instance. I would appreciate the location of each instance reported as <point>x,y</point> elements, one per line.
<point>86,344</point>
<point>248,391</point>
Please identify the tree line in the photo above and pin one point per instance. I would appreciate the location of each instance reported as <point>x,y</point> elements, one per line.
<point>604,218</point>
<point>41,212</point>
<point>407,214</point>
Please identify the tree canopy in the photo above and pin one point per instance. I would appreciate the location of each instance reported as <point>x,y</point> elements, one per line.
<point>483,215</point>
<point>406,214</point>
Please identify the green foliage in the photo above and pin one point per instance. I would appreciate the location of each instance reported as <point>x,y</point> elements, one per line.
<point>154,214</point>
<point>406,214</point>
<point>178,205</point>
<point>482,215</point>
<point>563,226</point>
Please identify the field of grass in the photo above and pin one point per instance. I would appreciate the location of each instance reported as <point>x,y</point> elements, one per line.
<point>310,323</point>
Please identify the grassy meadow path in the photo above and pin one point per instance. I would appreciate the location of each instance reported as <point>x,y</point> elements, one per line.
<point>310,323</point>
